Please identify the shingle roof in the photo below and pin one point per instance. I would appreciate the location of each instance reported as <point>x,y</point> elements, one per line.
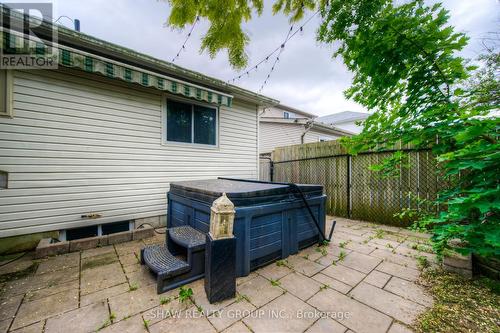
<point>343,117</point>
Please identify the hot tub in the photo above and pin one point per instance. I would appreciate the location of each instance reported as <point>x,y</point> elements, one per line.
<point>271,221</point>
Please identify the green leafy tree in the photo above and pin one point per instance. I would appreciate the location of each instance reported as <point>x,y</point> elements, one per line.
<point>407,72</point>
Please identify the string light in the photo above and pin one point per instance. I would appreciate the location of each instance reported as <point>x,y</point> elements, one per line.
<point>183,47</point>
<point>279,49</point>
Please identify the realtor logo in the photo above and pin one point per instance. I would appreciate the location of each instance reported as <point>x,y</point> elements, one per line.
<point>27,36</point>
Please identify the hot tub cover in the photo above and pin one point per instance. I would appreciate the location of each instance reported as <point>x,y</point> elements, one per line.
<point>241,193</point>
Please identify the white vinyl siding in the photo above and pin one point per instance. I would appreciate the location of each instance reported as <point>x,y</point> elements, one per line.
<point>274,135</point>
<point>82,143</point>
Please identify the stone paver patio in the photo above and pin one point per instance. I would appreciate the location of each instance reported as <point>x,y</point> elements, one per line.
<point>363,281</point>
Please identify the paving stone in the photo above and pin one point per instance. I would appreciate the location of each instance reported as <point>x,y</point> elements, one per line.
<point>231,314</point>
<point>142,277</point>
<point>304,266</point>
<point>244,279</point>
<point>332,283</point>
<point>351,313</point>
<point>128,259</point>
<point>237,327</point>
<point>133,247</point>
<point>352,231</point>
<point>310,253</point>
<point>344,274</point>
<point>39,309</point>
<point>397,307</point>
<point>101,277</point>
<point>326,325</point>
<point>172,308</point>
<point>294,315</point>
<point>33,328</point>
<point>83,320</point>
<point>4,325</point>
<point>349,236</point>
<point>131,268</point>
<point>201,300</point>
<point>99,260</point>
<point>406,273</point>
<point>20,264</point>
<point>9,306</point>
<point>361,248</point>
<point>327,260</point>
<point>377,279</point>
<point>133,302</point>
<point>133,324</point>
<point>274,272</point>
<point>259,291</point>
<point>409,290</point>
<point>182,325</point>
<point>102,295</point>
<point>300,285</point>
<point>399,328</point>
<point>360,262</point>
<point>97,251</point>
<point>384,243</point>
<point>395,258</point>
<point>53,289</point>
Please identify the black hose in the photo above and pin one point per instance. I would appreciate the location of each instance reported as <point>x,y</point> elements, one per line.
<point>302,196</point>
<point>154,229</point>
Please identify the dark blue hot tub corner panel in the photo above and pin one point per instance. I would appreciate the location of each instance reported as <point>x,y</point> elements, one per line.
<point>264,232</point>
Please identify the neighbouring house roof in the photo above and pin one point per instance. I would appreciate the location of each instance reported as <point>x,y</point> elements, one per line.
<point>84,52</point>
<point>343,117</point>
<point>326,128</point>
<point>296,111</point>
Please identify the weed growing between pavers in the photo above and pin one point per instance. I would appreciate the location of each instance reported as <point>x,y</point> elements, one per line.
<point>19,274</point>
<point>275,283</point>
<point>241,297</point>
<point>460,304</point>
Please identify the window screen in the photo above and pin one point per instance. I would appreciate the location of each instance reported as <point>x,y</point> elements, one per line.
<point>179,122</point>
<point>3,91</point>
<point>204,125</point>
<point>191,123</point>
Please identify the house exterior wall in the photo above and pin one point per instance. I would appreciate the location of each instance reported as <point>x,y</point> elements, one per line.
<point>350,126</point>
<point>80,143</point>
<point>274,135</point>
<point>276,112</point>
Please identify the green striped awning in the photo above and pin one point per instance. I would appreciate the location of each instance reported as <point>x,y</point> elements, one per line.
<point>87,62</point>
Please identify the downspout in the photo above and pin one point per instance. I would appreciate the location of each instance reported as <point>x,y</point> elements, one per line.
<point>308,126</point>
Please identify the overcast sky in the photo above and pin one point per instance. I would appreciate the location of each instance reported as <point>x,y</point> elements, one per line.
<point>306,76</point>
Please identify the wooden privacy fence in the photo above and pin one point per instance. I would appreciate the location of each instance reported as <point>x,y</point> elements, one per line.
<point>353,190</point>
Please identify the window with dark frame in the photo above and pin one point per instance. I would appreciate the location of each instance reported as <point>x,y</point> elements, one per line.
<point>191,123</point>
<point>3,91</point>
<point>286,115</point>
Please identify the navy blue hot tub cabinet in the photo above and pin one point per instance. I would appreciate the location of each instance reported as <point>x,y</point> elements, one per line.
<point>271,221</point>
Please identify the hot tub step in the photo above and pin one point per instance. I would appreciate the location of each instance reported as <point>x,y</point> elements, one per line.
<point>187,237</point>
<point>162,262</point>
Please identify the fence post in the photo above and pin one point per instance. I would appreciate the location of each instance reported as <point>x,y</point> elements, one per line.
<point>348,206</point>
<point>271,170</point>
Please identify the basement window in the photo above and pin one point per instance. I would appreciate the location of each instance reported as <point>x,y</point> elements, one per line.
<point>111,228</point>
<point>5,93</point>
<point>79,233</point>
<point>4,180</point>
